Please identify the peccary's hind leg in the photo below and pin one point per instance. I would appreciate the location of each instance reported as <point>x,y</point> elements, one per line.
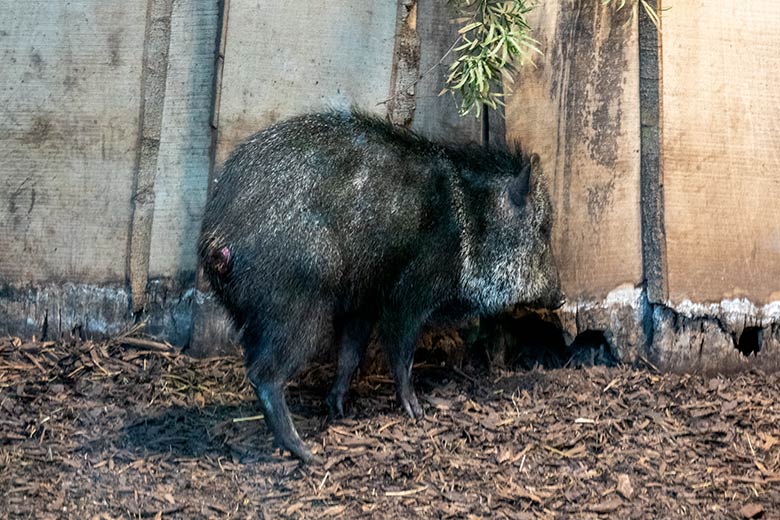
<point>355,334</point>
<point>275,351</point>
<point>279,420</point>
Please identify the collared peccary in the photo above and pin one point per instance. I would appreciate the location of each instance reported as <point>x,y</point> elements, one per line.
<point>326,227</point>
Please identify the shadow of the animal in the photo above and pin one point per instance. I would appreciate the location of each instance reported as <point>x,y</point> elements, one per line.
<point>198,431</point>
<point>239,431</point>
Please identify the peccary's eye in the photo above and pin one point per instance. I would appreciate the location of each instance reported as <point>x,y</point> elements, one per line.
<point>546,229</point>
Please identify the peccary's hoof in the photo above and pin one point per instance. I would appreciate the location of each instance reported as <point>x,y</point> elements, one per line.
<point>297,449</point>
<point>412,407</point>
<point>305,455</point>
<point>313,460</point>
<point>335,404</point>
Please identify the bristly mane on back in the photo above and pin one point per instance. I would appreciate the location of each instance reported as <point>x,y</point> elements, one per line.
<point>488,160</point>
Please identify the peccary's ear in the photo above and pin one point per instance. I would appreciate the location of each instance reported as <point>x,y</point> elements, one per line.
<point>534,161</point>
<point>519,186</point>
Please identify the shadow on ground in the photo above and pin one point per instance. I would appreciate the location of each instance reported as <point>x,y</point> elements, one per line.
<point>239,431</point>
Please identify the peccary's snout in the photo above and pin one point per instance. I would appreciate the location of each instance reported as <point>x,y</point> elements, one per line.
<point>554,298</point>
<point>557,297</point>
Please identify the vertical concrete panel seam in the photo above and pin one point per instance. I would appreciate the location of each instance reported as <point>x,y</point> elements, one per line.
<point>651,183</point>
<point>661,200</point>
<point>406,65</point>
<point>219,63</point>
<point>153,81</point>
<point>199,315</point>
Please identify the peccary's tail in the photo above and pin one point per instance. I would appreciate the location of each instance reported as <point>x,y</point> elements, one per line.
<point>217,258</point>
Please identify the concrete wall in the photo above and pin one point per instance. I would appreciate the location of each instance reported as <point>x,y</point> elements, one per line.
<point>70,93</point>
<point>91,104</point>
<point>719,136</point>
<point>661,155</point>
<point>578,108</point>
<point>110,129</point>
<point>70,130</point>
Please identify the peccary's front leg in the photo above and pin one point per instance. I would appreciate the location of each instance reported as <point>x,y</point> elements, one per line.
<point>419,290</point>
<point>400,323</point>
<point>400,357</point>
<point>353,341</point>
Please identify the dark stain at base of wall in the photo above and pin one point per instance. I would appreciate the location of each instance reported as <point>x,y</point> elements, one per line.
<point>66,310</point>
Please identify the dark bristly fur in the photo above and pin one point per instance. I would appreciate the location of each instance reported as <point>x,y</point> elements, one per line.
<point>327,226</point>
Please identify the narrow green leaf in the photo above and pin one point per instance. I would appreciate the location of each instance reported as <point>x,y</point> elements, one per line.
<point>469,27</point>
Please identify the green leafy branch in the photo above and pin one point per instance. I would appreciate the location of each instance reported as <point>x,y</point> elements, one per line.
<point>494,40</point>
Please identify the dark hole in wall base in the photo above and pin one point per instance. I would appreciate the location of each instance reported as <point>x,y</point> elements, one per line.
<point>513,342</point>
<point>750,341</point>
<point>591,348</point>
<point>539,342</point>
<point>535,342</point>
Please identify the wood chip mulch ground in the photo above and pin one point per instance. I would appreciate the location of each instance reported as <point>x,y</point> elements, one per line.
<point>133,429</point>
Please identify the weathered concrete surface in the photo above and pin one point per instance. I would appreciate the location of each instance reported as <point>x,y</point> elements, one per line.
<point>619,316</point>
<point>185,142</point>
<point>69,148</point>
<point>284,58</point>
<point>64,309</point>
<point>213,332</point>
<point>703,341</point>
<point>70,93</point>
<point>717,241</point>
<point>578,108</point>
<point>720,141</point>
<point>661,285</point>
<point>56,310</point>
